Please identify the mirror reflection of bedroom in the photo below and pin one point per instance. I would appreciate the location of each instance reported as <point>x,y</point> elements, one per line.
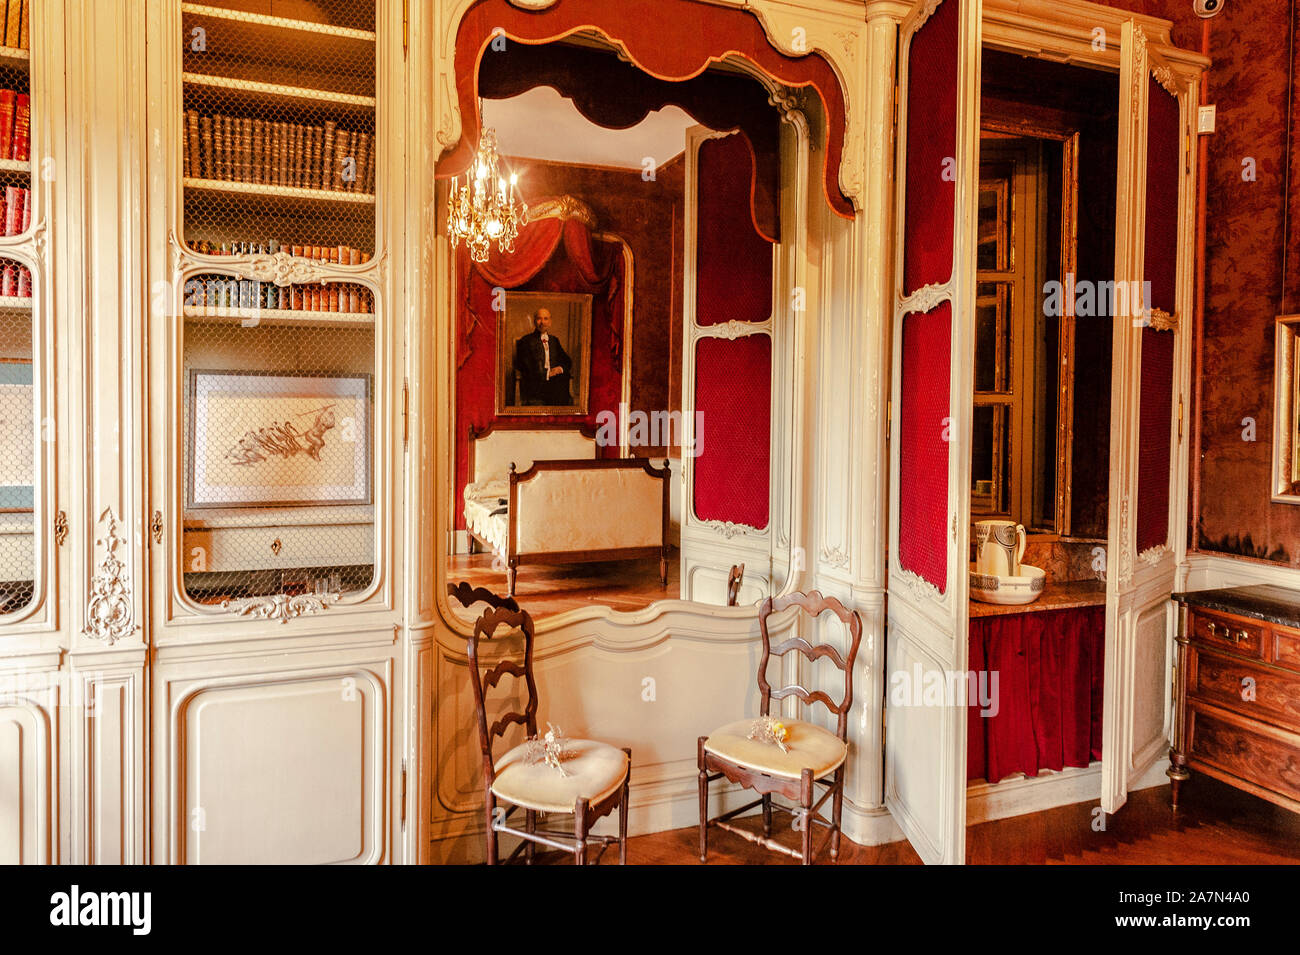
<point>570,418</point>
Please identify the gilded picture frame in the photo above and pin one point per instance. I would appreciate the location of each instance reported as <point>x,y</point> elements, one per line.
<point>570,326</point>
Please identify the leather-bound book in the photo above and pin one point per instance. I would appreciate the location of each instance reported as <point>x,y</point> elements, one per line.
<point>24,289</point>
<point>370,168</point>
<point>342,152</point>
<point>327,157</point>
<point>361,148</point>
<point>317,138</point>
<point>7,100</point>
<point>13,210</point>
<point>192,126</point>
<point>205,139</point>
<point>299,154</point>
<point>258,174</point>
<point>25,28</point>
<point>228,160</point>
<point>246,151</point>
<point>14,23</point>
<point>27,211</point>
<point>9,280</point>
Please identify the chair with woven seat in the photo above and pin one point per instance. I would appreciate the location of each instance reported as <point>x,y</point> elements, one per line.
<point>813,756</point>
<point>595,778</point>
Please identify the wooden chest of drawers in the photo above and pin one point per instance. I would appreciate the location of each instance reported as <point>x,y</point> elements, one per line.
<point>1237,694</point>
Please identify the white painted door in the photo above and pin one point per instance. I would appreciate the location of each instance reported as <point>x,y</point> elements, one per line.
<point>937,171</point>
<point>1148,460</point>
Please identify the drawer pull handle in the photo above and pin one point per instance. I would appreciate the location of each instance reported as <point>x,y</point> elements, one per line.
<point>1241,636</point>
<point>1213,628</point>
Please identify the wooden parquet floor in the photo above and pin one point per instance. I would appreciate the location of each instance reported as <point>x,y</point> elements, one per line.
<point>1215,825</point>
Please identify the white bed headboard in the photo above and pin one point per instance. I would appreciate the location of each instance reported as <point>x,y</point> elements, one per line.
<point>491,454</point>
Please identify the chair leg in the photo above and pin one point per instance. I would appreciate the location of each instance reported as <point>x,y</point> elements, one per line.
<point>704,801</point>
<point>530,826</point>
<point>622,810</point>
<point>580,831</point>
<point>767,816</point>
<point>490,813</point>
<point>510,581</point>
<point>837,807</point>
<point>805,812</point>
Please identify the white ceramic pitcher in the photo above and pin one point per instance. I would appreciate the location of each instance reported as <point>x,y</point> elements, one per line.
<point>999,545</point>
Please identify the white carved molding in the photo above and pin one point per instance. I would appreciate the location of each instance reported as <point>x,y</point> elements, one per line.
<point>917,586</point>
<point>834,556</point>
<point>281,607</point>
<point>734,329</point>
<point>108,610</point>
<point>533,4</point>
<point>1126,546</point>
<point>1162,321</point>
<point>1153,555</point>
<point>925,298</point>
<point>728,529</point>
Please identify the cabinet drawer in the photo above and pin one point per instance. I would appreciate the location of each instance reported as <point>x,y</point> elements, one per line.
<point>1262,755</point>
<point>1270,694</point>
<point>1286,649</point>
<point>1242,637</point>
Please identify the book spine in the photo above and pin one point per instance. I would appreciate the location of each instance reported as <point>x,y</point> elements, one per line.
<point>27,210</point>
<point>7,99</point>
<point>282,163</point>
<point>192,125</point>
<point>14,23</point>
<point>342,152</point>
<point>227,149</point>
<point>327,157</point>
<point>299,156</point>
<point>370,168</point>
<point>24,282</point>
<point>205,141</point>
<point>24,31</point>
<point>246,151</point>
<point>9,281</point>
<point>11,210</point>
<point>317,141</point>
<point>362,152</point>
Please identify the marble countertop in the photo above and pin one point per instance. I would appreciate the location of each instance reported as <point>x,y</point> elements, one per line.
<point>1278,605</point>
<point>1057,596</point>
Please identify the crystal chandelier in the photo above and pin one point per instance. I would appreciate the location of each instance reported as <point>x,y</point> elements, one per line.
<point>482,210</point>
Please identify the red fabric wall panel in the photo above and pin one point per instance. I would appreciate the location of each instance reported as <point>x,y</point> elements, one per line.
<point>1049,668</point>
<point>931,146</point>
<point>734,263</point>
<point>1161,260</point>
<point>733,403</point>
<point>1154,438</point>
<point>923,452</point>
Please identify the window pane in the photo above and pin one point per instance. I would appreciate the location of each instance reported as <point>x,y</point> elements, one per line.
<point>990,460</point>
<point>17,442</point>
<point>993,337</point>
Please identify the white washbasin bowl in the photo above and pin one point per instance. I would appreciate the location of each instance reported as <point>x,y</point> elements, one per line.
<point>996,589</point>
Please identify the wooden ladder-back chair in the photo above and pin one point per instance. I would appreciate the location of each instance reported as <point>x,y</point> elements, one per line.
<point>815,755</point>
<point>596,774</point>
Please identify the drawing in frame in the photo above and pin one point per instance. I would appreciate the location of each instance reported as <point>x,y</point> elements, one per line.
<point>290,439</point>
<point>17,438</point>
<point>526,385</point>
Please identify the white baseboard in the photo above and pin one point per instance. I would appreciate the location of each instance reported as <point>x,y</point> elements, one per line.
<point>1016,797</point>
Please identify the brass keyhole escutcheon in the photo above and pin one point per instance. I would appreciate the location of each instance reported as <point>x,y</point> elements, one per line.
<point>275,547</point>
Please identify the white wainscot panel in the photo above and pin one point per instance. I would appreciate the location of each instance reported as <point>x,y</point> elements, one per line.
<point>656,697</point>
<point>1152,667</point>
<point>25,772</point>
<point>912,784</point>
<point>282,771</point>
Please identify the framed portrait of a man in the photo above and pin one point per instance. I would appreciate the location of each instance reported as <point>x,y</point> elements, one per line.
<point>543,353</point>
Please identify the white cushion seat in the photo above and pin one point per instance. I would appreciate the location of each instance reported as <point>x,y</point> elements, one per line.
<point>811,747</point>
<point>595,770</point>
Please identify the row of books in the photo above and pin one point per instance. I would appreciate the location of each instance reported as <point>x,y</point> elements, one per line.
<point>15,281</point>
<point>222,292</point>
<point>16,23</point>
<point>17,211</point>
<point>332,254</point>
<point>15,125</point>
<point>241,149</point>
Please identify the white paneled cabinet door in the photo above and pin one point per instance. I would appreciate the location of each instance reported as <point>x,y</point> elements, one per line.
<point>1148,462</point>
<point>926,652</point>
<point>276,445</point>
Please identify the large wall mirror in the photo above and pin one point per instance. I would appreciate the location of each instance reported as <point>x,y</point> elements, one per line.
<point>1045,270</point>
<point>600,410</point>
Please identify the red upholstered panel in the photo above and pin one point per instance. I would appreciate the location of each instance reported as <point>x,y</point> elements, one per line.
<point>931,145</point>
<point>1049,670</point>
<point>733,399</point>
<point>675,41</point>
<point>734,263</point>
<point>1161,263</point>
<point>1154,435</point>
<point>923,452</point>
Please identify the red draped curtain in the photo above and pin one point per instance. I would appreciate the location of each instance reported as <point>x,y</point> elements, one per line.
<point>1048,701</point>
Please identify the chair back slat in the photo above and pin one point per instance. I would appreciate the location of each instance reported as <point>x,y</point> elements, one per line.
<point>734,581</point>
<point>813,604</point>
<point>810,651</point>
<point>468,596</point>
<point>485,628</point>
<point>814,696</point>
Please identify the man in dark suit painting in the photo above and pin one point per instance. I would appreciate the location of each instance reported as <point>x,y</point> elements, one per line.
<point>543,366</point>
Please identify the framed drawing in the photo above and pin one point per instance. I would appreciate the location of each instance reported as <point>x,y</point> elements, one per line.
<point>17,438</point>
<point>283,440</point>
<point>1286,410</point>
<point>543,354</point>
